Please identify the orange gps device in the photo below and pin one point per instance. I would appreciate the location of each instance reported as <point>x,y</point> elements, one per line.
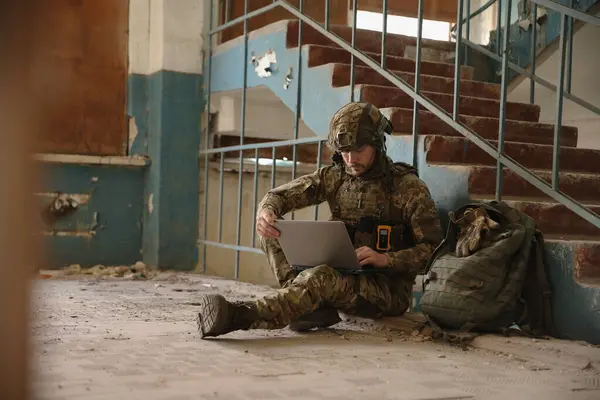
<point>383,237</point>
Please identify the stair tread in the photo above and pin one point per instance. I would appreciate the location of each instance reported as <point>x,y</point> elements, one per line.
<point>577,241</point>
<point>385,96</point>
<point>583,187</point>
<point>399,63</point>
<point>544,173</point>
<point>558,220</point>
<point>445,78</point>
<point>529,124</point>
<point>430,83</point>
<point>460,150</point>
<point>449,95</point>
<point>487,127</point>
<point>411,40</point>
<point>366,40</point>
<point>560,225</point>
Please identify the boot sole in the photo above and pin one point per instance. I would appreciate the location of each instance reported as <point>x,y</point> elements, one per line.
<point>213,316</point>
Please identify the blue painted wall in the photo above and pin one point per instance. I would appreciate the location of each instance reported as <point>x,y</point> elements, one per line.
<point>145,213</point>
<point>167,108</point>
<point>115,205</point>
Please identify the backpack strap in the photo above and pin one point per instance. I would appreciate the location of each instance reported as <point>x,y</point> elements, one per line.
<point>336,188</point>
<point>541,290</point>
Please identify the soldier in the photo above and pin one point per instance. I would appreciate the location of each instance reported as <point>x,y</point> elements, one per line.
<point>368,192</point>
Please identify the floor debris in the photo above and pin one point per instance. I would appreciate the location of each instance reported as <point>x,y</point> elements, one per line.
<point>145,345</point>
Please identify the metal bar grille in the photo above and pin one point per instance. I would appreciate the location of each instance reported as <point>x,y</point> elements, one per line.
<point>415,124</point>
<point>533,52</point>
<point>503,93</point>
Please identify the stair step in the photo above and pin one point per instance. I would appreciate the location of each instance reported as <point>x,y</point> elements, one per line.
<point>556,221</point>
<point>585,257</point>
<point>516,131</point>
<point>366,40</point>
<point>584,188</point>
<point>437,84</point>
<point>383,96</point>
<point>320,55</point>
<point>461,151</point>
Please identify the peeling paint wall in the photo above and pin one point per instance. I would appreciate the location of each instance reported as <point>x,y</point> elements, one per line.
<point>106,227</point>
<point>133,212</point>
<point>165,102</point>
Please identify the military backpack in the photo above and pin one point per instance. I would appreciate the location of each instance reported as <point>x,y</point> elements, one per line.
<point>502,286</point>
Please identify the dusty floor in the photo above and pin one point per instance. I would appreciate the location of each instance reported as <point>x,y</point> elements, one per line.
<point>107,339</point>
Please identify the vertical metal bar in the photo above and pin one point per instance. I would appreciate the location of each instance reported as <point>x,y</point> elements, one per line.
<point>207,133</point>
<point>298,98</point>
<point>242,132</point>
<point>459,17</point>
<point>327,14</point>
<point>415,127</point>
<point>559,101</point>
<point>319,163</point>
<point>273,167</point>
<point>255,198</point>
<point>503,95</point>
<point>570,29</point>
<point>499,27</point>
<point>221,186</point>
<point>533,50</point>
<point>468,31</point>
<point>384,33</point>
<point>227,10</point>
<point>352,60</point>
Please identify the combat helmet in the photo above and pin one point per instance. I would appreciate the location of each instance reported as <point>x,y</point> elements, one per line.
<point>357,124</point>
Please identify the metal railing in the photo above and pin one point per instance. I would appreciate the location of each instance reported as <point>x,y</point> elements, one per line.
<point>503,161</point>
<point>533,52</point>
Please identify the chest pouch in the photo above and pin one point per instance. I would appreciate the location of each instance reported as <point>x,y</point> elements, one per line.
<point>389,237</point>
<point>364,232</point>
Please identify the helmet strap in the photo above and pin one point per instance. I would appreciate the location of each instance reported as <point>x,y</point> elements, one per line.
<point>337,158</point>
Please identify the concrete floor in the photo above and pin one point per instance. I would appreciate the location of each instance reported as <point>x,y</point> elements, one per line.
<point>108,339</point>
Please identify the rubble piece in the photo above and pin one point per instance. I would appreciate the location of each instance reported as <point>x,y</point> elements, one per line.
<point>137,271</point>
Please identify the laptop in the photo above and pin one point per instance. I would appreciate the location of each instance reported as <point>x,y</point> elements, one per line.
<point>307,244</point>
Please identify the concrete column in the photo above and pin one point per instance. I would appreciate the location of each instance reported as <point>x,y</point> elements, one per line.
<point>165,106</point>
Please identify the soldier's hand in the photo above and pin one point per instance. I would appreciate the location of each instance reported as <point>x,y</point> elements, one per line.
<point>368,256</point>
<point>265,222</point>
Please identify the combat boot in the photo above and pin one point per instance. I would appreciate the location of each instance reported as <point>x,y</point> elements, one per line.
<point>218,316</point>
<point>320,318</point>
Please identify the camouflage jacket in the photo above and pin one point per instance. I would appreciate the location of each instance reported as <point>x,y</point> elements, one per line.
<point>407,206</point>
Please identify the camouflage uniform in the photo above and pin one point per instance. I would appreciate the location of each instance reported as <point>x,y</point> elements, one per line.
<point>387,194</point>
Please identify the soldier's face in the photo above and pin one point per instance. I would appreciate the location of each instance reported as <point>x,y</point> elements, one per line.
<point>360,160</point>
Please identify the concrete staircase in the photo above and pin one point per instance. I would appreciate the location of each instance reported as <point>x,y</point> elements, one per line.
<point>455,169</point>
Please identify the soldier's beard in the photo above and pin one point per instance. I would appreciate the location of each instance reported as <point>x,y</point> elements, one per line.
<point>357,168</point>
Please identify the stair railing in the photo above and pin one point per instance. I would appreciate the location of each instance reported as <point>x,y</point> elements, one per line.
<point>566,32</point>
<point>453,120</point>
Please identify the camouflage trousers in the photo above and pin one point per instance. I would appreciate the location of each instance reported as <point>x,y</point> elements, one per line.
<point>277,261</point>
<point>365,295</point>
